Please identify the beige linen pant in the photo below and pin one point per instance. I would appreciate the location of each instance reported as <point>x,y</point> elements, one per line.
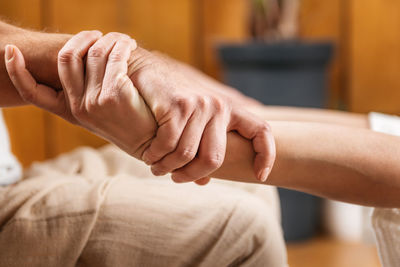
<point>103,208</point>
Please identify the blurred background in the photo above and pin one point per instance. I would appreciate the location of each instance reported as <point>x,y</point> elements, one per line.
<point>340,54</point>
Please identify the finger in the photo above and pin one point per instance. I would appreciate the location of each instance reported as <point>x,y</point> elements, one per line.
<point>210,156</point>
<point>117,67</point>
<point>165,141</point>
<point>203,181</point>
<point>71,66</point>
<point>32,92</point>
<point>259,132</point>
<point>188,146</point>
<point>97,59</point>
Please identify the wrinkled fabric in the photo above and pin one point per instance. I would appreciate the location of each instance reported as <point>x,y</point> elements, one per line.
<point>104,208</point>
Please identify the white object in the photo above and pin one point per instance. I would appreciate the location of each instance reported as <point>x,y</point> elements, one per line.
<point>10,169</point>
<point>386,222</point>
<point>344,221</point>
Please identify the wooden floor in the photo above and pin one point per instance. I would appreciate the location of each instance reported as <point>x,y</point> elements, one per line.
<point>330,253</point>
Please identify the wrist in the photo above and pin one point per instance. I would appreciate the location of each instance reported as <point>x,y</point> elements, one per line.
<point>41,56</point>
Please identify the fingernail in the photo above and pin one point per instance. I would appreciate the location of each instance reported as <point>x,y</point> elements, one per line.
<point>9,52</point>
<point>264,174</point>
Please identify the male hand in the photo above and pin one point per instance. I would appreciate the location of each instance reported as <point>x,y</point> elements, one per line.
<point>193,120</point>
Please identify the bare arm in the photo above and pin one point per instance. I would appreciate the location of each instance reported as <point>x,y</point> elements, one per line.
<point>342,163</point>
<point>323,152</point>
<point>40,50</point>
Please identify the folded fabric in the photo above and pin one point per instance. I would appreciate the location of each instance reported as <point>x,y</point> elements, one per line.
<point>10,169</point>
<point>386,222</point>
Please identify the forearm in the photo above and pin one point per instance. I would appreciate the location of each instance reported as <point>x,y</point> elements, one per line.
<point>40,51</point>
<point>342,163</point>
<point>281,113</point>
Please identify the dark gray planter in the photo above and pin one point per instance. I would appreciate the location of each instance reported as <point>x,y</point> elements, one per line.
<point>290,74</point>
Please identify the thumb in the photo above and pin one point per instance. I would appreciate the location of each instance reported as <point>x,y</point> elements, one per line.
<point>38,94</point>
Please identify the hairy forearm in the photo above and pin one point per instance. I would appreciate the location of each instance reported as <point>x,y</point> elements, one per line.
<point>40,51</point>
<point>342,163</point>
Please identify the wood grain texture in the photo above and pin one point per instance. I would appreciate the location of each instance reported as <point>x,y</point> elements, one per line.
<point>166,26</point>
<point>375,56</point>
<point>323,20</point>
<point>26,127</point>
<point>24,13</point>
<point>221,21</point>
<point>332,253</point>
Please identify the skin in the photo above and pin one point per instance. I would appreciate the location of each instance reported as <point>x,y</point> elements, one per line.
<point>192,122</point>
<point>328,159</point>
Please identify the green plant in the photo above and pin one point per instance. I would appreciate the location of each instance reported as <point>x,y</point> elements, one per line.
<point>273,20</point>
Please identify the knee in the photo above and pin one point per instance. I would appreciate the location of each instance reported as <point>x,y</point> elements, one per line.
<point>249,234</point>
<point>259,234</point>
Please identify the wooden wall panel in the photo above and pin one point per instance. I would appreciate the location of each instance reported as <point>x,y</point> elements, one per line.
<point>167,26</point>
<point>375,56</point>
<point>24,13</point>
<point>221,21</point>
<point>27,133</point>
<point>324,20</point>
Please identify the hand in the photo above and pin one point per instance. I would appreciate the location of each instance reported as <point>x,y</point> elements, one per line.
<point>103,101</point>
<point>193,119</point>
<point>236,97</point>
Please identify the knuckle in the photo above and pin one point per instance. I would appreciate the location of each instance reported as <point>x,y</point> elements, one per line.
<point>203,102</point>
<point>183,105</point>
<point>115,56</point>
<point>97,52</point>
<point>68,55</point>
<point>219,105</point>
<point>168,145</point>
<point>186,154</point>
<point>212,161</point>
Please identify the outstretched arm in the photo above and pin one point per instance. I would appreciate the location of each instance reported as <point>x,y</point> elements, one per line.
<point>338,162</point>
